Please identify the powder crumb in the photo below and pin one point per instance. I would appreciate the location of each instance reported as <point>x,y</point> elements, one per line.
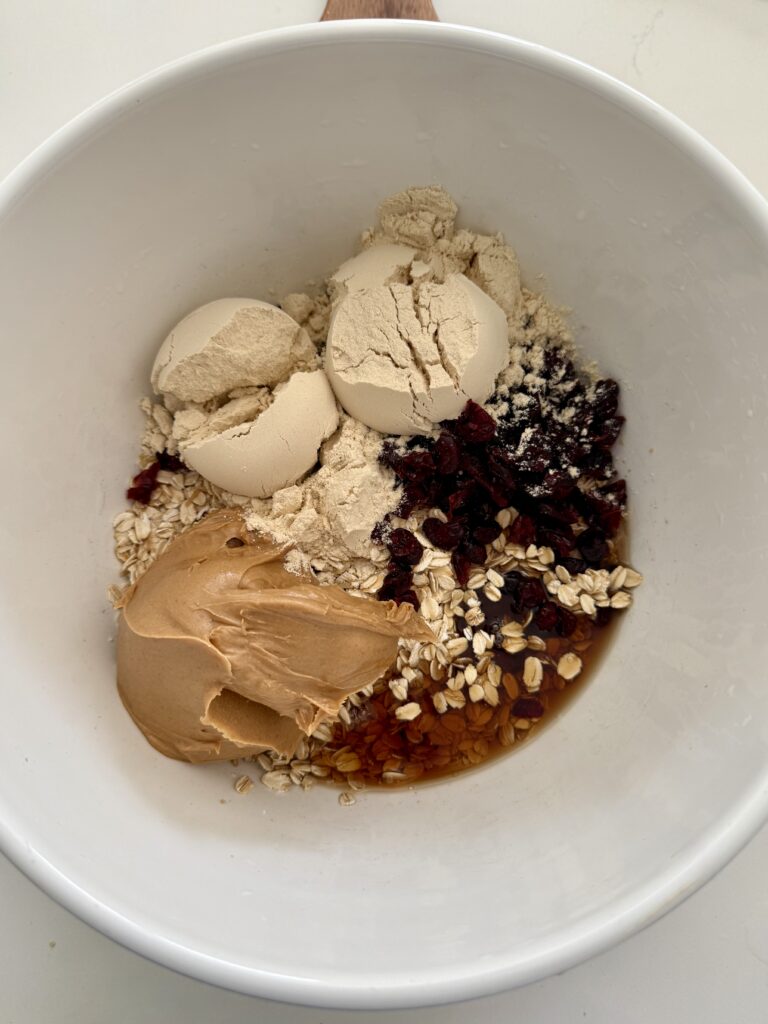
<point>330,515</point>
<point>495,269</point>
<point>541,323</point>
<point>419,216</point>
<point>312,313</point>
<point>185,423</point>
<point>297,563</point>
<point>288,500</point>
<point>193,426</point>
<point>350,497</point>
<point>228,358</point>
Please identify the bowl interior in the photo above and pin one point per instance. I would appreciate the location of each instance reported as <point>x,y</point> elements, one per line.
<point>251,172</point>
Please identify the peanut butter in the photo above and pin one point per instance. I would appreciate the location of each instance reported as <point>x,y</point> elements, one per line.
<point>223,653</point>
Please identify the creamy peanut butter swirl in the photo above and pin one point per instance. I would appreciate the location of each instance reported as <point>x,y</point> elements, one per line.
<point>223,653</point>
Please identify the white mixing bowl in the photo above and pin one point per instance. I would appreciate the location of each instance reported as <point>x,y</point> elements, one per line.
<point>248,170</point>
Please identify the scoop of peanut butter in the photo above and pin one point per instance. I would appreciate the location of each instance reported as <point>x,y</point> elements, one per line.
<point>223,653</point>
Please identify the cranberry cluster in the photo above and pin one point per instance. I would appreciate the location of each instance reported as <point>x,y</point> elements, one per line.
<point>549,457</point>
<point>145,482</point>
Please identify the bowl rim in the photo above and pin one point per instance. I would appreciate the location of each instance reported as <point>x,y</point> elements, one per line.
<point>649,901</point>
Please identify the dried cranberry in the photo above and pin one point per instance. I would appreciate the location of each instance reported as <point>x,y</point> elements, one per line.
<point>512,583</point>
<point>408,597</point>
<point>474,424</point>
<point>443,535</point>
<point>556,485</point>
<point>389,456</point>
<point>605,433</point>
<point>527,707</point>
<point>474,552</point>
<point>446,454</point>
<point>386,592</point>
<point>407,504</point>
<point>560,540</point>
<point>546,617</point>
<point>606,398</point>
<point>570,371</point>
<point>593,545</point>
<point>577,451</point>
<point>379,532</point>
<point>418,466</point>
<point>513,579</point>
<point>605,514</point>
<point>566,622</point>
<point>534,453</point>
<point>501,466</point>
<point>609,518</point>
<point>397,581</point>
<point>560,513</point>
<point>554,365</point>
<point>594,461</point>
<point>462,497</point>
<point>143,484</point>
<point>531,593</point>
<point>418,494</point>
<point>486,533</point>
<point>472,466</point>
<point>171,463</point>
<point>572,395</point>
<point>461,566</point>
<point>401,575</point>
<point>488,492</point>
<point>602,616</point>
<point>530,416</point>
<point>573,565</point>
<point>529,485</point>
<point>522,531</point>
<point>404,547</point>
<point>500,496</point>
<point>435,488</point>
<point>593,504</point>
<point>483,510</point>
<point>617,490</point>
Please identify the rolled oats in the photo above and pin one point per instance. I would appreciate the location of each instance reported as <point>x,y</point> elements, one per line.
<point>569,666</point>
<point>243,783</point>
<point>407,712</point>
<point>533,673</point>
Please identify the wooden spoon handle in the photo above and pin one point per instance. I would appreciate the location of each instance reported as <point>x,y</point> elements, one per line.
<point>420,10</point>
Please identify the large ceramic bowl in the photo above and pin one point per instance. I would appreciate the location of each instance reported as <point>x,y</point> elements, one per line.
<point>248,170</point>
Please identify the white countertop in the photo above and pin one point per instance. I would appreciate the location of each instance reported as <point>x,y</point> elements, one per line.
<point>705,60</point>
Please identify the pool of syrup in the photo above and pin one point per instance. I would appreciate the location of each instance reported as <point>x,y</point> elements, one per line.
<point>376,748</point>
